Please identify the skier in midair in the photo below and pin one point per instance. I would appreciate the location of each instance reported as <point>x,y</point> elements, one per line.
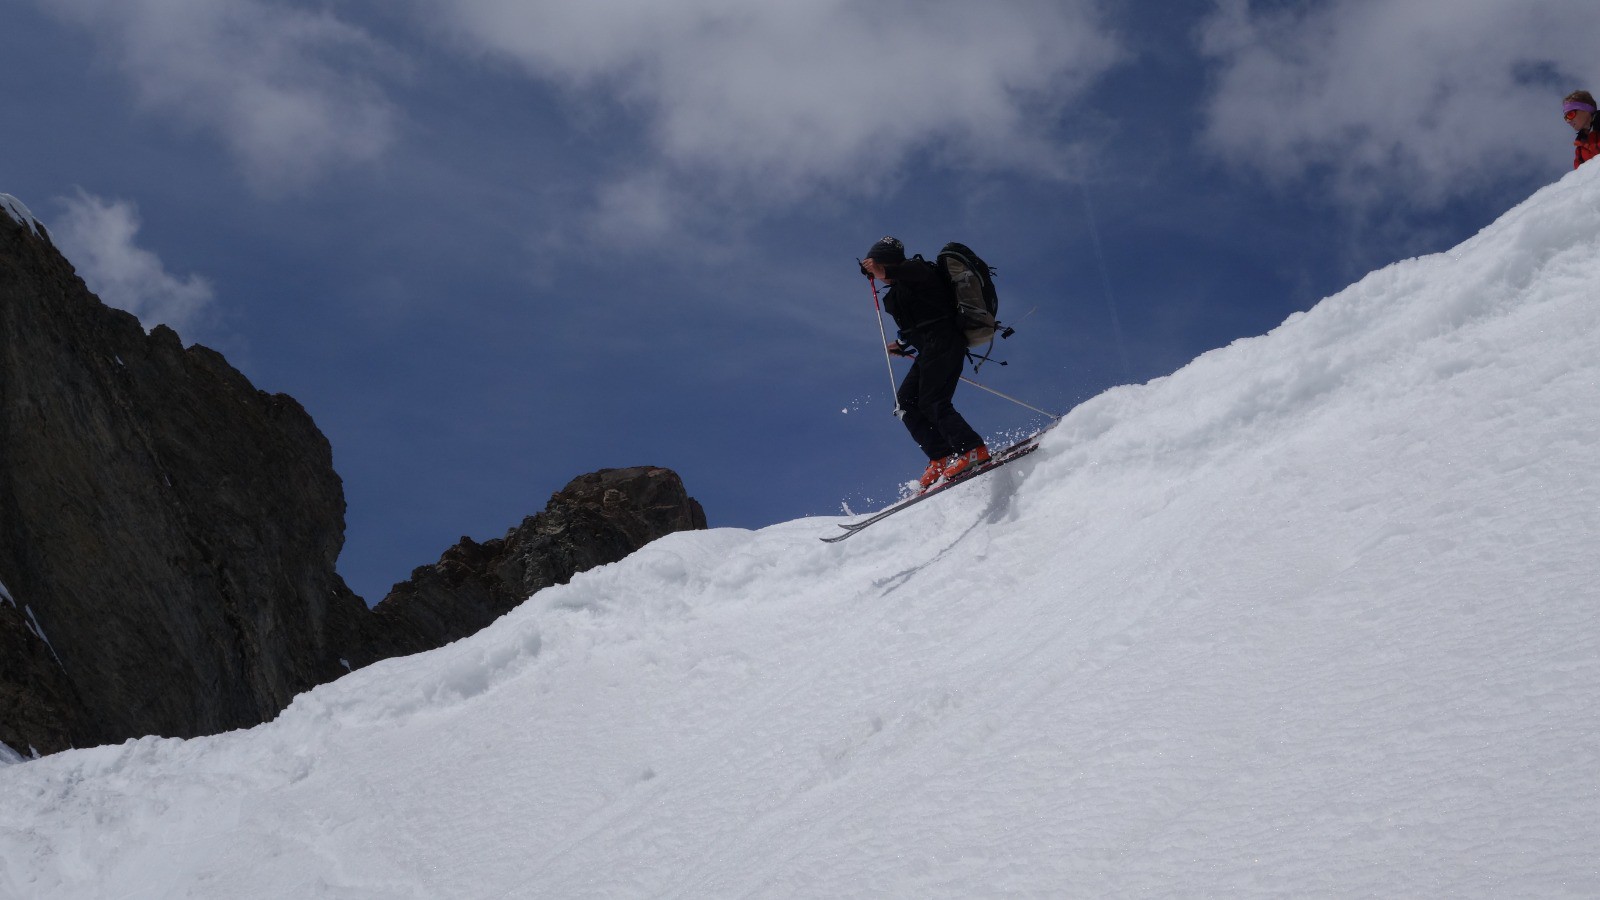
<point>922,303</point>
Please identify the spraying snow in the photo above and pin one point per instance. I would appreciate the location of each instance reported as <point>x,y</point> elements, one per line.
<point>1314,616</point>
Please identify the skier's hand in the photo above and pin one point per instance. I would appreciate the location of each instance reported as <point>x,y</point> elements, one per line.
<point>896,348</point>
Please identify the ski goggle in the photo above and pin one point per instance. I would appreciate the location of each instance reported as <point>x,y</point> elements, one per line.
<point>1571,108</point>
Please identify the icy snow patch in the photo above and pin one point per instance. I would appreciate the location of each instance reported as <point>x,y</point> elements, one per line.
<point>37,629</point>
<point>18,212</point>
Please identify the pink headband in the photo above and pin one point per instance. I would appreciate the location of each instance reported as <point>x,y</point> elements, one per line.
<point>1579,105</point>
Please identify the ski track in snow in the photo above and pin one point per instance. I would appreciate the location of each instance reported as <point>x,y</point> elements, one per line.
<point>1314,616</point>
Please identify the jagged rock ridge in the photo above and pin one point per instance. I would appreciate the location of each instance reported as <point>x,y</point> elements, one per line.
<point>173,531</point>
<point>596,519</point>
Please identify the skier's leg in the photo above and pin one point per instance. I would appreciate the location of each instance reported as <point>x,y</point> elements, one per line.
<point>923,430</point>
<point>941,372</point>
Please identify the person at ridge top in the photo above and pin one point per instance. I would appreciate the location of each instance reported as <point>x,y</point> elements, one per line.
<point>1578,109</point>
<point>923,305</point>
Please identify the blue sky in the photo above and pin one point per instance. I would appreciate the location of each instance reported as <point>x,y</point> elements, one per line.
<point>492,244</point>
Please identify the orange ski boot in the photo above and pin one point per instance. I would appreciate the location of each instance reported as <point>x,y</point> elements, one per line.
<point>963,462</point>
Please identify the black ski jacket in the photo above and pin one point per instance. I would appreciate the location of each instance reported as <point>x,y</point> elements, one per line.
<point>922,302</point>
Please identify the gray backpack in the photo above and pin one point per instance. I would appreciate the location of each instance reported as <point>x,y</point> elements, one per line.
<point>976,301</point>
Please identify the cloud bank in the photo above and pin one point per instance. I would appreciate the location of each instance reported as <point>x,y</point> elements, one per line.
<point>99,237</point>
<point>290,92</point>
<point>1408,98</point>
<point>775,99</point>
<point>740,105</point>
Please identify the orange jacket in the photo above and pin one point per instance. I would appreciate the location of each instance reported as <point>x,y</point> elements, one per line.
<point>1587,146</point>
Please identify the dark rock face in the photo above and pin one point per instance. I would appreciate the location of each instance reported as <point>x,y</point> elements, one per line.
<point>598,518</point>
<point>41,710</point>
<point>172,529</point>
<point>168,533</point>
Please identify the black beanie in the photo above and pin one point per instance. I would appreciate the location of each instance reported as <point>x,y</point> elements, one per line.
<point>888,251</point>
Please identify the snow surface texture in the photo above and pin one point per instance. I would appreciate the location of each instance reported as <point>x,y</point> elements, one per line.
<point>1314,616</point>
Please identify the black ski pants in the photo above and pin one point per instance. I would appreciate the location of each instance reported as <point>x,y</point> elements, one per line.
<point>925,398</point>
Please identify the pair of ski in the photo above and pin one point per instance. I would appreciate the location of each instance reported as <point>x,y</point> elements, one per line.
<point>1011,453</point>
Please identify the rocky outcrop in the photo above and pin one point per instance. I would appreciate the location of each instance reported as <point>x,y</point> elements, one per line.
<point>168,533</point>
<point>598,518</point>
<point>41,709</point>
<point>172,530</point>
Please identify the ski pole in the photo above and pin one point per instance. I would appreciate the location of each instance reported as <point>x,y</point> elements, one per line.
<point>984,387</point>
<point>872,285</point>
<point>991,390</point>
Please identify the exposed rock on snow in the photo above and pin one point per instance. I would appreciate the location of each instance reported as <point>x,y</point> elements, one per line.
<point>174,530</point>
<point>596,519</point>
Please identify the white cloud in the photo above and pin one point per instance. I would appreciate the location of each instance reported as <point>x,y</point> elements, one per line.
<point>768,101</point>
<point>1420,99</point>
<point>287,90</point>
<point>99,236</point>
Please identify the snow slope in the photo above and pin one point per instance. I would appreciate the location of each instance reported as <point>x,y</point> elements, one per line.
<point>1314,616</point>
